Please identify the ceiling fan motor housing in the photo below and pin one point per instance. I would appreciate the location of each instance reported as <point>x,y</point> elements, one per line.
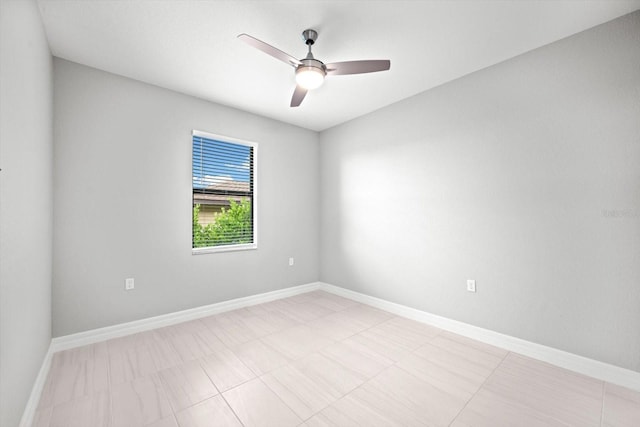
<point>312,63</point>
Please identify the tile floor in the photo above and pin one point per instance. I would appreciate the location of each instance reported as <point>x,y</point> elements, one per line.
<point>315,360</point>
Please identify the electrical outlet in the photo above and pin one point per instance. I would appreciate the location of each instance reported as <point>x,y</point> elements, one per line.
<point>291,261</point>
<point>129,284</point>
<point>471,285</point>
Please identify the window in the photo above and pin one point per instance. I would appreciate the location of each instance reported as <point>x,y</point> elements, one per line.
<point>224,194</point>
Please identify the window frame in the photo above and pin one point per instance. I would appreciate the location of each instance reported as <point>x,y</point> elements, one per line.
<point>254,202</point>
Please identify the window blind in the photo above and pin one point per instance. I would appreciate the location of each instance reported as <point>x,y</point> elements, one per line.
<point>223,192</point>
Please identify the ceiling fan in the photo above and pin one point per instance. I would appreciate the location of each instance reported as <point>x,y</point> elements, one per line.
<point>310,72</point>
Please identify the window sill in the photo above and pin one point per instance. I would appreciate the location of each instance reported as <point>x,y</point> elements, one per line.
<point>226,248</point>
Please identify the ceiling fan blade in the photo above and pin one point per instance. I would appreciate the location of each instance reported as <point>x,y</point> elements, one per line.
<point>357,67</point>
<point>269,50</point>
<point>298,96</point>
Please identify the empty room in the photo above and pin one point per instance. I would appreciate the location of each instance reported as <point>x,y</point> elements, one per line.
<point>319,213</point>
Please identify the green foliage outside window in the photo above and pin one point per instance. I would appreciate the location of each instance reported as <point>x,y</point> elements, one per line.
<point>231,226</point>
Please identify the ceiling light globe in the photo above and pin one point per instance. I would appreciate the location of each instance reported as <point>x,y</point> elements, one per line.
<point>309,77</point>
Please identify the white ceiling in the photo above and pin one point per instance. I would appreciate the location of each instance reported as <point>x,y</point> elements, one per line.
<point>191,46</point>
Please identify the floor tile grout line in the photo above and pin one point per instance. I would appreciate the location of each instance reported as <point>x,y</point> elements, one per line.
<point>278,396</point>
<point>528,406</point>
<point>175,418</point>
<point>164,389</point>
<point>110,389</point>
<point>413,353</point>
<point>364,330</point>
<point>272,349</point>
<point>602,406</point>
<point>228,347</point>
<point>368,380</point>
<point>171,344</point>
<point>480,387</point>
<point>395,364</point>
<point>231,408</point>
<point>319,352</point>
<point>219,393</point>
<point>183,361</point>
<point>445,333</point>
<point>345,395</point>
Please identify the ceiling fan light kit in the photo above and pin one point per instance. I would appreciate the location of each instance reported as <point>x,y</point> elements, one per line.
<point>310,72</point>
<point>310,76</point>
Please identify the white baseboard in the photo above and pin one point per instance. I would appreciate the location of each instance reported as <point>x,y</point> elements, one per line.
<point>36,390</point>
<point>96,335</point>
<point>593,368</point>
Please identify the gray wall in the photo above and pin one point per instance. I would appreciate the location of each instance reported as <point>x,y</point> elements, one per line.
<point>122,190</point>
<point>524,176</point>
<point>25,203</point>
